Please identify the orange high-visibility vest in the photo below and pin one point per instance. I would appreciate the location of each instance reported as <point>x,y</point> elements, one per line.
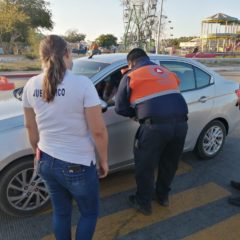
<point>151,81</point>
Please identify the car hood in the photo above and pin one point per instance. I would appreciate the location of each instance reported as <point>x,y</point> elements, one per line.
<point>11,111</point>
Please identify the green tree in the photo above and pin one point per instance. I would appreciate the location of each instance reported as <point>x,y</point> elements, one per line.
<point>38,12</point>
<point>74,36</point>
<point>10,19</point>
<point>33,40</point>
<point>106,40</point>
<point>40,17</point>
<point>24,19</point>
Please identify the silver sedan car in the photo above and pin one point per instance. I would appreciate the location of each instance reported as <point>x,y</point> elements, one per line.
<point>212,115</point>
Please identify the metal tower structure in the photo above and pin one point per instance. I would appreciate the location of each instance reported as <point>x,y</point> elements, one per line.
<point>140,22</point>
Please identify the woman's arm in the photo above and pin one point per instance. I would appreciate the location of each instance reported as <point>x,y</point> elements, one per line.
<point>99,132</point>
<point>31,125</point>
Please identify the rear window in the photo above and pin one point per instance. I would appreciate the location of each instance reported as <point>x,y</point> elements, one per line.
<point>203,79</point>
<point>87,68</point>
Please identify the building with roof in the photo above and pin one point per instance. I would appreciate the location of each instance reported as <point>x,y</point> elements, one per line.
<point>220,33</point>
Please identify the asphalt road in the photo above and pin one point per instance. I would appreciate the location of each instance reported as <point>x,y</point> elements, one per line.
<point>198,204</point>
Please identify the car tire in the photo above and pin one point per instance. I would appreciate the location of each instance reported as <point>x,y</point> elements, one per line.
<point>211,140</point>
<point>22,194</point>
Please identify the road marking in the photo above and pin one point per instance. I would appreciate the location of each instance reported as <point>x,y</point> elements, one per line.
<point>115,183</point>
<point>123,181</point>
<point>226,230</point>
<point>126,221</point>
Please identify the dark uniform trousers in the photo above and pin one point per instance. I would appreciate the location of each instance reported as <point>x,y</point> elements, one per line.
<point>157,144</point>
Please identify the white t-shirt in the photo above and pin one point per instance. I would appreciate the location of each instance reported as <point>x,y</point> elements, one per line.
<point>62,126</point>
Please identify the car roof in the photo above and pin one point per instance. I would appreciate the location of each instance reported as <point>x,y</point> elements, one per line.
<point>105,58</point>
<point>112,58</point>
<point>115,57</point>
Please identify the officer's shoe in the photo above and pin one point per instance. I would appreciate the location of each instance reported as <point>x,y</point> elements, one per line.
<point>146,210</point>
<point>235,185</point>
<point>163,200</point>
<point>234,201</point>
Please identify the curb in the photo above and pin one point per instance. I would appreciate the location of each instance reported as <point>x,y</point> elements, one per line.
<point>226,69</point>
<point>24,75</point>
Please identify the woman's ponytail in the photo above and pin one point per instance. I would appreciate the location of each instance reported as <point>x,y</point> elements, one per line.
<point>52,50</point>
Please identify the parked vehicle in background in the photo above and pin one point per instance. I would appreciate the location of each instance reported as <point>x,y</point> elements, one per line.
<point>212,115</point>
<point>79,51</point>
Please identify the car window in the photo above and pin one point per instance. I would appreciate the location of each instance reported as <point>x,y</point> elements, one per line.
<point>202,78</point>
<point>87,68</point>
<point>107,88</point>
<point>185,73</point>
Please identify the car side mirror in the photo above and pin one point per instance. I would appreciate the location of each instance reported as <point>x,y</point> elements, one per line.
<point>104,106</point>
<point>18,93</point>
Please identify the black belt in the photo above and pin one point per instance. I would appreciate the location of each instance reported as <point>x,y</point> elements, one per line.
<point>159,120</point>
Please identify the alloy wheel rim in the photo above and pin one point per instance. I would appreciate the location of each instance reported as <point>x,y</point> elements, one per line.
<point>27,192</point>
<point>213,140</point>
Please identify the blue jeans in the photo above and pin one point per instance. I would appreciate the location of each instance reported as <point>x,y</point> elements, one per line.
<point>67,181</point>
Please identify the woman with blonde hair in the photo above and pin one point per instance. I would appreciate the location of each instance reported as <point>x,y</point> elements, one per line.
<point>64,122</point>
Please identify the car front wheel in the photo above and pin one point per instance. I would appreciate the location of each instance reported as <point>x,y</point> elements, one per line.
<point>211,140</point>
<point>22,193</point>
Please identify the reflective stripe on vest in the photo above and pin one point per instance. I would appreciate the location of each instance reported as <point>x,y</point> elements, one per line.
<point>151,81</point>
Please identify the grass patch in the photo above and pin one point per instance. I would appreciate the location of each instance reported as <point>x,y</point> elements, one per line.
<point>29,63</point>
<point>25,65</point>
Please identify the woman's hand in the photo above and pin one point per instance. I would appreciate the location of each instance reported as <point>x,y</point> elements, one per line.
<point>103,169</point>
<point>99,133</point>
<point>32,129</point>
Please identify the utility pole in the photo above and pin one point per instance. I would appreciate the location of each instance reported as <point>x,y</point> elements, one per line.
<point>159,28</point>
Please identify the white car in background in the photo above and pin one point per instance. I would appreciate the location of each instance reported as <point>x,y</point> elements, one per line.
<point>212,115</point>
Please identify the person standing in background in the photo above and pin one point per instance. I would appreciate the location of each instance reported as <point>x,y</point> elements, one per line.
<point>94,50</point>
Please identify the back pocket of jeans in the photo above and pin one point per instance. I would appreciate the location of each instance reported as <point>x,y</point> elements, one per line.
<point>74,173</point>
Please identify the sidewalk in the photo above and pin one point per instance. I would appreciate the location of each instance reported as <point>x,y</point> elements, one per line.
<point>226,68</point>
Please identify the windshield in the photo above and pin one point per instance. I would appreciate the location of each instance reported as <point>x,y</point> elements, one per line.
<point>87,68</point>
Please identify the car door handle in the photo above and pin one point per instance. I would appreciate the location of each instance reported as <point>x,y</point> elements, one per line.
<point>203,99</point>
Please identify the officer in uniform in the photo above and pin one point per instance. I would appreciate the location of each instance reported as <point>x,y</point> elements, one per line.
<point>150,94</point>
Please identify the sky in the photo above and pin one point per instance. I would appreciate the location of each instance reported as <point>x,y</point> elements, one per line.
<point>95,17</point>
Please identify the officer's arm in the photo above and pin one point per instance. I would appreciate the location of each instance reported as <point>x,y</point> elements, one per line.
<point>122,103</point>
